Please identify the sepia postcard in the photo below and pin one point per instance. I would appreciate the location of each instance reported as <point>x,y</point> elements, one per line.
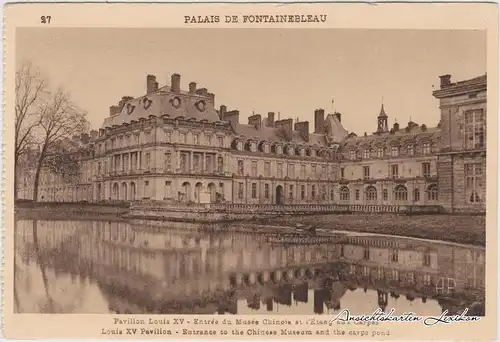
<point>250,171</point>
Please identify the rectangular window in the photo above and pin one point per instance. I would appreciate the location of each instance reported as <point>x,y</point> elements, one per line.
<point>366,172</point>
<point>254,190</point>
<point>168,161</point>
<point>302,171</point>
<point>352,155</point>
<point>99,168</point>
<point>208,138</point>
<point>220,164</point>
<point>366,254</point>
<point>241,168</point>
<point>474,129</point>
<point>366,154</point>
<point>357,194</point>
<point>474,183</point>
<point>196,162</point>
<point>183,162</point>
<point>323,172</point>
<point>148,160</point>
<point>394,151</point>
<point>254,168</point>
<point>183,138</point>
<point>290,195</point>
<point>280,170</point>
<point>196,139</point>
<point>427,259</point>
<point>342,173</point>
<point>220,141</point>
<point>266,191</point>
<point>209,159</point>
<point>240,190</point>
<point>168,187</point>
<point>426,169</point>
<point>313,192</point>
<point>394,171</point>
<point>426,148</point>
<point>410,150</point>
<point>302,192</point>
<point>394,255</point>
<point>291,171</point>
<point>380,152</point>
<point>313,170</point>
<point>267,169</point>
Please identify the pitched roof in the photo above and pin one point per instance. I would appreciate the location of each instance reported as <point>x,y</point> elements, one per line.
<point>165,102</point>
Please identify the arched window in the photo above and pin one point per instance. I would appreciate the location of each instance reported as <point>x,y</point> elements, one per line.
<point>416,195</point>
<point>432,192</point>
<point>400,193</point>
<point>344,194</point>
<point>332,194</point>
<point>371,193</point>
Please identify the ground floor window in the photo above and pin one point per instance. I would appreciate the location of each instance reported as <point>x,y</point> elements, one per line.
<point>344,194</point>
<point>400,193</point>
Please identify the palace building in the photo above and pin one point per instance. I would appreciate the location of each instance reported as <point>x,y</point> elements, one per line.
<point>175,146</point>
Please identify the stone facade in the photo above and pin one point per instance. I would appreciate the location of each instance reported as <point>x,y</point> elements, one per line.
<point>462,151</point>
<point>174,146</point>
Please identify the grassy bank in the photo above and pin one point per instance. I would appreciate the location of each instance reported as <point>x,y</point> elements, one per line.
<point>68,211</point>
<point>453,228</point>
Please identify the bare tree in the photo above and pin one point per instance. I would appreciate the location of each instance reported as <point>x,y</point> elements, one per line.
<point>60,119</point>
<point>30,90</point>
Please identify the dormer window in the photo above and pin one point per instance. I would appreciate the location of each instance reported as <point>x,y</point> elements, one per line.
<point>366,153</point>
<point>279,149</point>
<point>253,147</point>
<point>266,148</point>
<point>394,151</point>
<point>313,153</point>
<point>380,152</point>
<point>302,152</point>
<point>239,146</point>
<point>409,148</point>
<point>291,151</point>
<point>426,148</point>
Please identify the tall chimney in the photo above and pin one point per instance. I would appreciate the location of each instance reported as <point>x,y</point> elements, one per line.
<point>233,117</point>
<point>445,80</point>
<point>303,129</point>
<point>319,121</point>
<point>396,127</point>
<point>255,120</point>
<point>222,112</point>
<point>113,110</point>
<point>202,91</point>
<point>192,88</point>
<point>270,119</point>
<point>151,84</point>
<point>175,83</point>
<point>285,126</point>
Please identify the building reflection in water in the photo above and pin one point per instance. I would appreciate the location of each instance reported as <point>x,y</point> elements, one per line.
<point>167,267</point>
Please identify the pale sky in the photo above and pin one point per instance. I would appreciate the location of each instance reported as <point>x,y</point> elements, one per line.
<point>291,71</point>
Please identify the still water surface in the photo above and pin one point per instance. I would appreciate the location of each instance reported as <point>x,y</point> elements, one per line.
<point>160,267</point>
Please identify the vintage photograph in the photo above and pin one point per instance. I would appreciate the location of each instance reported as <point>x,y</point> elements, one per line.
<point>250,171</point>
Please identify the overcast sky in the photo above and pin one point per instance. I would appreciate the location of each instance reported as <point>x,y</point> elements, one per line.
<point>290,71</point>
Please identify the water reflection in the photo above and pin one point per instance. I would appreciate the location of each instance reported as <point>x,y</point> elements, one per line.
<point>166,267</point>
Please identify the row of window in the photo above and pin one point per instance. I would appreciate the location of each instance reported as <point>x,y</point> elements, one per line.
<point>265,147</point>
<point>316,171</point>
<point>400,193</point>
<point>134,139</point>
<point>395,151</point>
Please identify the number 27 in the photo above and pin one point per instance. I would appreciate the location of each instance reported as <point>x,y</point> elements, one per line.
<point>45,19</point>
